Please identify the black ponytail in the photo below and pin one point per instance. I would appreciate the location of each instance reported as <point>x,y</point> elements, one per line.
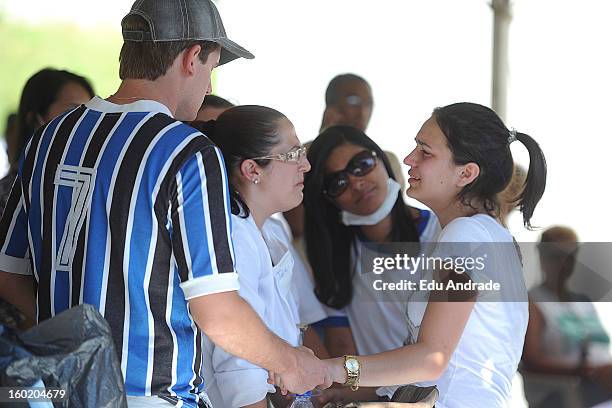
<point>535,183</point>
<point>475,134</point>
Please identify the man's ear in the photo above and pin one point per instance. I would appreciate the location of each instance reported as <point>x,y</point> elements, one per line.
<point>191,57</point>
<point>467,174</point>
<point>250,170</point>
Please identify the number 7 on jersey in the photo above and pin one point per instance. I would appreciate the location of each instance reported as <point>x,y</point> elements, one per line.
<point>82,180</point>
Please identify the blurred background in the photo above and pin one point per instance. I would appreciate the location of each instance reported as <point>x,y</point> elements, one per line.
<point>415,54</point>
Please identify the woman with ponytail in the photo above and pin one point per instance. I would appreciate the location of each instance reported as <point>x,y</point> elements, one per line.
<point>265,165</point>
<point>468,343</point>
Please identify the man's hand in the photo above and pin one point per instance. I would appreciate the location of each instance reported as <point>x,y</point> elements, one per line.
<point>307,373</point>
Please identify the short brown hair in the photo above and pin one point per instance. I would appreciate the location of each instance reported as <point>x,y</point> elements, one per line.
<point>150,60</point>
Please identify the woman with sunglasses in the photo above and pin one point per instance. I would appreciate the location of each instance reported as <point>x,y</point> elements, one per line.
<point>471,348</point>
<point>265,165</point>
<point>351,197</point>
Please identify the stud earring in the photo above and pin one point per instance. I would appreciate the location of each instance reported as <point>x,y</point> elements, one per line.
<point>256,181</point>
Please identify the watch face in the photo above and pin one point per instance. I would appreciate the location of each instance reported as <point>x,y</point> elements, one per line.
<point>352,365</point>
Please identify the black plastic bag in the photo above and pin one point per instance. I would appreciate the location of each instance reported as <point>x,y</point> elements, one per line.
<point>73,351</point>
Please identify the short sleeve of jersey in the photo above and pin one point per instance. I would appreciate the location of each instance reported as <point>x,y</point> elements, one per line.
<point>14,254</point>
<point>201,226</point>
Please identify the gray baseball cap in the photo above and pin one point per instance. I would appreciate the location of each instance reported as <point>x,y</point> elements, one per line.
<point>183,20</point>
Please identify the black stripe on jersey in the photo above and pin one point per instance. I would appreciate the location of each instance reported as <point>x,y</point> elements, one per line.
<point>9,210</point>
<point>94,150</point>
<point>163,346</point>
<point>205,147</point>
<point>197,363</point>
<point>159,293</point>
<point>54,155</point>
<point>216,204</point>
<point>118,218</point>
<point>178,245</point>
<point>28,165</point>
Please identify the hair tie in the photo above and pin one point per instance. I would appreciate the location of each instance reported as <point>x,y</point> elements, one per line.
<point>512,136</point>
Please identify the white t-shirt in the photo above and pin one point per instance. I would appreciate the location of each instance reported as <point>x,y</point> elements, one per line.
<point>480,371</point>
<point>265,268</point>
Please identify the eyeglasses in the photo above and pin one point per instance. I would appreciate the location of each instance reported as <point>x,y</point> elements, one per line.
<point>293,156</point>
<point>361,164</point>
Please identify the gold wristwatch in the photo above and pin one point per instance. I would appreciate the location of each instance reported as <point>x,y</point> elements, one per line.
<point>352,367</point>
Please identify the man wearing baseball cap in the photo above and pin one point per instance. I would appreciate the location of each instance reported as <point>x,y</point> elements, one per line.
<point>120,205</point>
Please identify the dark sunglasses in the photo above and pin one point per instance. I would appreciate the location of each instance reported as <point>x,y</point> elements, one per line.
<point>361,164</point>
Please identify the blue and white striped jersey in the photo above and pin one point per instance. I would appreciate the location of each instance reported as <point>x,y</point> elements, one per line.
<point>127,209</point>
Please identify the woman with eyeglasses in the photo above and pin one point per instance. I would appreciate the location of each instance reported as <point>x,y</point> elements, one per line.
<point>467,338</point>
<point>265,165</point>
<point>351,198</point>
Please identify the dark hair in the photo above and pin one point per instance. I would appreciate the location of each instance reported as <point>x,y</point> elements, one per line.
<point>215,101</point>
<point>331,93</point>
<point>11,123</point>
<point>328,241</point>
<point>558,234</point>
<point>39,93</point>
<point>243,132</point>
<point>475,134</point>
<point>151,59</point>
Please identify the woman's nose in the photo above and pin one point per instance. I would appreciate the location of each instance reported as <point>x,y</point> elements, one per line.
<point>410,159</point>
<point>305,165</point>
<point>357,183</point>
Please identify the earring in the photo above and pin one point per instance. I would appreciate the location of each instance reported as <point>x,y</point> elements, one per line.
<point>256,181</point>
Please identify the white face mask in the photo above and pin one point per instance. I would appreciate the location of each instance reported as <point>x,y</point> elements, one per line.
<point>393,187</point>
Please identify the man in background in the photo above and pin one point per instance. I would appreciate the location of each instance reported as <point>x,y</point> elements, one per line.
<point>348,101</point>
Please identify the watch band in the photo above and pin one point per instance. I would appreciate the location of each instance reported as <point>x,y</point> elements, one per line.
<point>352,375</point>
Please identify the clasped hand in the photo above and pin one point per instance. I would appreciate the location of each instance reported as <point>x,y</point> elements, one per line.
<point>306,372</point>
